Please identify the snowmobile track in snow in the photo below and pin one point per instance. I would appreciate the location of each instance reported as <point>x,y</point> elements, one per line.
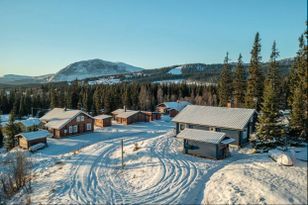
<point>94,178</point>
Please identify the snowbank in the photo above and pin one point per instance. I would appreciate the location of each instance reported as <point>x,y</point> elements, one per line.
<point>258,180</point>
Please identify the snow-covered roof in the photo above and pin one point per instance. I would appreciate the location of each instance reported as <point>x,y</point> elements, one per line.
<point>59,117</point>
<point>118,111</point>
<point>233,118</point>
<point>27,123</point>
<point>127,114</point>
<point>102,117</point>
<point>202,135</point>
<point>30,122</point>
<point>34,135</point>
<point>179,105</point>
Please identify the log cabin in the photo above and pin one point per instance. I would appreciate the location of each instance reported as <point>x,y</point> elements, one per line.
<point>213,145</point>
<point>28,139</point>
<point>103,120</point>
<point>62,122</point>
<point>236,123</point>
<point>130,117</point>
<point>171,108</point>
<point>150,116</point>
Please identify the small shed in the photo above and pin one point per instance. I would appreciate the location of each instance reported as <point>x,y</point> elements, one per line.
<point>130,117</point>
<point>171,108</point>
<point>209,144</point>
<point>103,120</point>
<point>28,139</point>
<point>150,116</point>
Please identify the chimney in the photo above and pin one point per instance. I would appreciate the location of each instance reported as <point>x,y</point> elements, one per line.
<point>124,108</point>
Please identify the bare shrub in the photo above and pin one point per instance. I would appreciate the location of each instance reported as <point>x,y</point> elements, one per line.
<point>17,175</point>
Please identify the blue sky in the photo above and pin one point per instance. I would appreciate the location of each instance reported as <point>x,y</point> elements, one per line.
<point>39,37</point>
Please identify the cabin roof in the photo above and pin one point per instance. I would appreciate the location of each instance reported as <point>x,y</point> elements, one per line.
<point>102,117</point>
<point>175,105</point>
<point>202,135</point>
<point>119,111</point>
<point>127,114</point>
<point>232,118</point>
<point>59,117</point>
<point>34,135</point>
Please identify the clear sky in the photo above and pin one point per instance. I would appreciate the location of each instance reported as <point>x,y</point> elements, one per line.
<point>39,37</point>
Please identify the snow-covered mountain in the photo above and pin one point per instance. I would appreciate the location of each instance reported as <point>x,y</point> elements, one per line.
<point>23,79</point>
<point>78,70</point>
<point>92,68</point>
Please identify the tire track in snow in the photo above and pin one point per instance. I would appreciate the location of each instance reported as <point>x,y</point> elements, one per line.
<point>98,183</point>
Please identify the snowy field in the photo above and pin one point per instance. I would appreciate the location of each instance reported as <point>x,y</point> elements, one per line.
<point>86,169</point>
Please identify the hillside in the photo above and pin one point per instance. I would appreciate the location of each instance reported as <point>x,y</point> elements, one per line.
<point>100,71</point>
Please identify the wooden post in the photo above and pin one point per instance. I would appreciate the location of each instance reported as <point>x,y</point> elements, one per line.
<point>122,152</point>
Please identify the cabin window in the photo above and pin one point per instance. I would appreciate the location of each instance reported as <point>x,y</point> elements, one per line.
<point>82,118</point>
<point>89,126</point>
<point>75,128</point>
<point>78,119</point>
<point>213,129</point>
<point>70,129</point>
<point>182,127</point>
<point>65,131</point>
<point>244,133</point>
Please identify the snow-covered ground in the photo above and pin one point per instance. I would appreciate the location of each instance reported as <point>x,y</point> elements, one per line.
<point>108,81</point>
<point>258,180</point>
<point>176,71</point>
<point>86,169</point>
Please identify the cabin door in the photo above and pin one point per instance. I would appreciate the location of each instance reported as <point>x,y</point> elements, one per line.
<point>81,128</point>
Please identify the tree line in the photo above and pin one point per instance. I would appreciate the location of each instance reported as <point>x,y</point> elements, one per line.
<point>268,91</point>
<point>263,89</point>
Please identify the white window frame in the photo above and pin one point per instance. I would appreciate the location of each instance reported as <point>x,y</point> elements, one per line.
<point>182,126</point>
<point>89,126</point>
<point>81,118</point>
<point>78,119</point>
<point>213,129</point>
<point>65,131</point>
<point>75,128</point>
<point>70,129</point>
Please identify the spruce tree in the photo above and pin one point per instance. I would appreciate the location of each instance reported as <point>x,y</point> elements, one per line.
<point>225,83</point>
<point>10,130</point>
<point>53,98</point>
<point>239,84</point>
<point>269,127</point>
<point>298,91</point>
<point>144,98</point>
<point>255,79</point>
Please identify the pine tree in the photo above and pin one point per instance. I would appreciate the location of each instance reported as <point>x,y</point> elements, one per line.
<point>255,79</point>
<point>268,127</point>
<point>144,98</point>
<point>160,95</point>
<point>298,121</point>
<point>53,98</point>
<point>239,84</point>
<point>298,91</point>
<point>97,101</point>
<point>10,130</point>
<point>225,83</point>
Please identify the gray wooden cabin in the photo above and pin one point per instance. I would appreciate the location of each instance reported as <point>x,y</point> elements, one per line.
<point>236,123</point>
<point>209,144</point>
